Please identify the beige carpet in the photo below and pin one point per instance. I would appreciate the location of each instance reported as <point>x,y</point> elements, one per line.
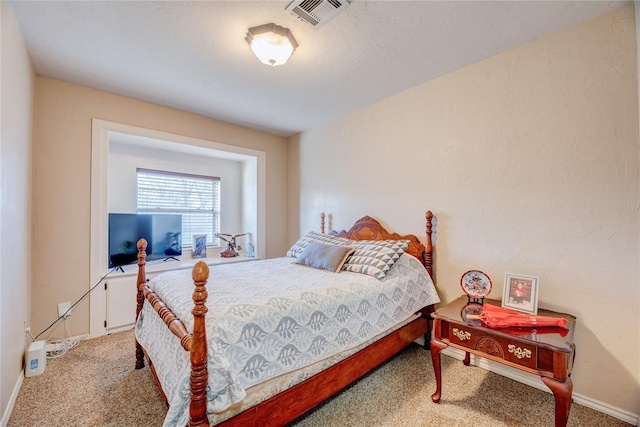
<point>95,385</point>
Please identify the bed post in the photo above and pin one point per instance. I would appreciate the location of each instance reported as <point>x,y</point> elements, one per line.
<point>428,263</point>
<point>428,253</point>
<point>142,280</point>
<point>199,375</point>
<point>322,222</point>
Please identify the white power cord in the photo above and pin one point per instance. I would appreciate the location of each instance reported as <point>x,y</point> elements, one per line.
<point>30,334</point>
<point>58,347</point>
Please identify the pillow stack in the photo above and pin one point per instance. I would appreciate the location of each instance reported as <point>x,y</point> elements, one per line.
<point>372,257</point>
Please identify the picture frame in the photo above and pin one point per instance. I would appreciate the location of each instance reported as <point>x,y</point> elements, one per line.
<point>521,292</point>
<point>199,249</point>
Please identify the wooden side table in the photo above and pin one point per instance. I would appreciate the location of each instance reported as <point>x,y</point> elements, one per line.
<point>547,352</point>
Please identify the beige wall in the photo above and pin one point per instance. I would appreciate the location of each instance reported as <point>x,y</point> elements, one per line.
<point>62,202</point>
<point>529,161</point>
<point>16,87</point>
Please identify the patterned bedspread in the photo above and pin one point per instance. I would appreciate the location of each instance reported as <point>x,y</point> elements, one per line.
<point>271,317</point>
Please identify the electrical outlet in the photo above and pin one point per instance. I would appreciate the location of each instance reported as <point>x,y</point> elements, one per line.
<point>27,329</point>
<point>63,307</point>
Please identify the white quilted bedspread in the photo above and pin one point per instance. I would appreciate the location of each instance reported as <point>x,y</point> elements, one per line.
<point>270,317</point>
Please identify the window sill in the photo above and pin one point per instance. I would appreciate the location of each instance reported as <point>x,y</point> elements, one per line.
<point>159,266</point>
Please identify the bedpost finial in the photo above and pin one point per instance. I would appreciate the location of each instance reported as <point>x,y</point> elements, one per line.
<point>429,215</point>
<point>142,255</point>
<point>200,272</point>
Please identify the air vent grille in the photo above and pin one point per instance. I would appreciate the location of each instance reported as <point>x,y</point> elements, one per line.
<point>316,13</point>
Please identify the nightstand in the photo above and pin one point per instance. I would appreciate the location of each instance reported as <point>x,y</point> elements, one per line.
<point>547,352</point>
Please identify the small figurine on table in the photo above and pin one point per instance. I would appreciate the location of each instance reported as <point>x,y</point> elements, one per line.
<point>232,247</point>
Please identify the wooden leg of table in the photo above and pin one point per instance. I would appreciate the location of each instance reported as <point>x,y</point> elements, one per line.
<point>562,393</point>
<point>467,358</point>
<point>436,348</point>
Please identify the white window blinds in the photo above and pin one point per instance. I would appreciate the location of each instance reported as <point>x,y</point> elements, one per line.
<point>196,197</point>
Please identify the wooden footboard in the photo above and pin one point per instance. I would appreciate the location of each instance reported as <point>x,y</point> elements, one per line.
<point>291,403</point>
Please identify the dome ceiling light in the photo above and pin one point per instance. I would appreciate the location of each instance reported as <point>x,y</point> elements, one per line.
<point>271,43</point>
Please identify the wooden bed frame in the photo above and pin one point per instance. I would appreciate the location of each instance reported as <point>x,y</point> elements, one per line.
<point>295,401</point>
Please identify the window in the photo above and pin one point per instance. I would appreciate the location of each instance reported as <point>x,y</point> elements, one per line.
<point>196,197</point>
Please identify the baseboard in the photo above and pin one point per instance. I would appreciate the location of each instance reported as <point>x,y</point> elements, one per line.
<point>12,400</point>
<point>535,381</point>
<point>118,329</point>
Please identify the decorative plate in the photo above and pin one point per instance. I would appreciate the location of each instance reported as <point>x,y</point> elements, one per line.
<point>476,284</point>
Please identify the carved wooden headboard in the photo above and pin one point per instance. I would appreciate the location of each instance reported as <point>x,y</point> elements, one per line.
<point>367,228</point>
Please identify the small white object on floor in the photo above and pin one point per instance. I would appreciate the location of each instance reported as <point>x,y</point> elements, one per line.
<point>36,359</point>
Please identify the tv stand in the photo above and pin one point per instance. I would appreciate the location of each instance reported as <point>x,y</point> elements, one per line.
<point>119,268</point>
<point>170,257</point>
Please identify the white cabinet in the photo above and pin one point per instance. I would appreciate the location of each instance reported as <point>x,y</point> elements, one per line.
<point>121,301</point>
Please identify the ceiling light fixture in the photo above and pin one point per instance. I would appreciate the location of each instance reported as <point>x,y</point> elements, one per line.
<point>271,43</point>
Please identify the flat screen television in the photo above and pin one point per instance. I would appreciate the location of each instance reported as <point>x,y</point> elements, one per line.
<point>163,233</point>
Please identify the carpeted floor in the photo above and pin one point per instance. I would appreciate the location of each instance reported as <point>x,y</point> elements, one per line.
<point>95,385</point>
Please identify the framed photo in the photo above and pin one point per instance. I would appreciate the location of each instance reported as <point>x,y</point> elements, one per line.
<point>199,249</point>
<point>520,293</point>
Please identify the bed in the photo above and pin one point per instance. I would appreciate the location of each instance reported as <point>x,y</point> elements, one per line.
<point>247,363</point>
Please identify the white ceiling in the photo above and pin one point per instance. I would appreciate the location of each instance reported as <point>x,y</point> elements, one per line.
<point>192,55</point>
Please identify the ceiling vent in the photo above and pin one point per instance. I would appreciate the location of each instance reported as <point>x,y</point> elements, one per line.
<point>316,13</point>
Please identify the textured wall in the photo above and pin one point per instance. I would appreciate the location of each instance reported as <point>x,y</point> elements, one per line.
<point>529,160</point>
<point>62,184</point>
<point>16,87</point>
